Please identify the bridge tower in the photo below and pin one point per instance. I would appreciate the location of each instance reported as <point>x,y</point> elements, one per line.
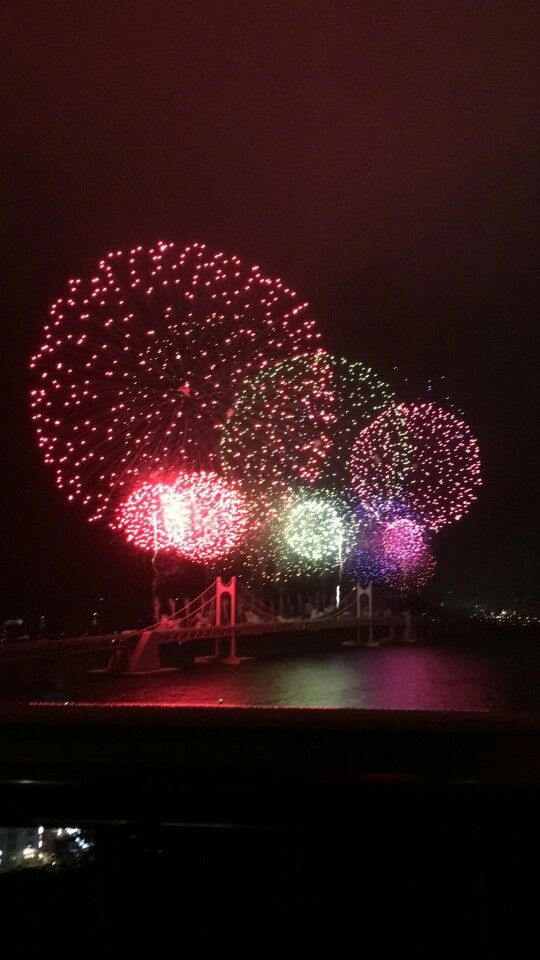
<point>361,593</point>
<point>228,590</point>
<point>225,616</point>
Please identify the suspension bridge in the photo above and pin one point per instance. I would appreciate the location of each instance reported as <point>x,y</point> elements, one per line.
<point>222,614</point>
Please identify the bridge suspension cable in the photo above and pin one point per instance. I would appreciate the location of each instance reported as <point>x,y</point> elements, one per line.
<point>197,605</point>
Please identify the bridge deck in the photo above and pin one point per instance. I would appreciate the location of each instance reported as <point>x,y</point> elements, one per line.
<point>32,660</point>
<point>276,626</point>
<point>64,647</point>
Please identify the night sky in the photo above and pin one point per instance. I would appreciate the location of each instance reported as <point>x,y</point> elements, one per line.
<point>378,156</point>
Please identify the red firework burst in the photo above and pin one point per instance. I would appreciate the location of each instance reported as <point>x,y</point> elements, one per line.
<point>198,515</point>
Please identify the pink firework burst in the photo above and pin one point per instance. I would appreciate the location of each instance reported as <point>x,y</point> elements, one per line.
<point>403,543</point>
<point>421,456</point>
<point>405,554</point>
<point>140,365</point>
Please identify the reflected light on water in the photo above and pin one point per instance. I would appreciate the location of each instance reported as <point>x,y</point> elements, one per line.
<point>384,678</point>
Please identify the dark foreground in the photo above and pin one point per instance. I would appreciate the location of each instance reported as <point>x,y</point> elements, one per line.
<point>276,833</point>
<point>283,831</point>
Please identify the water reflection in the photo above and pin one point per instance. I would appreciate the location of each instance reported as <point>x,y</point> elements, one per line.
<point>391,677</point>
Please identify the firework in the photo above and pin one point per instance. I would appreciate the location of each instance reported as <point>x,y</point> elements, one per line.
<point>140,517</point>
<point>395,554</point>
<point>295,421</point>
<point>313,534</point>
<point>422,457</point>
<point>365,563</point>
<point>359,395</point>
<point>379,462</point>
<point>403,542</point>
<point>198,515</point>
<point>279,431</point>
<point>140,365</point>
<point>405,551</point>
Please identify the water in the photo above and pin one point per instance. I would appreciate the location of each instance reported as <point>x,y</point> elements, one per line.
<point>491,676</point>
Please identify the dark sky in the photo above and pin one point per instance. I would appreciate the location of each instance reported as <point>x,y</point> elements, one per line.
<point>379,156</point>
